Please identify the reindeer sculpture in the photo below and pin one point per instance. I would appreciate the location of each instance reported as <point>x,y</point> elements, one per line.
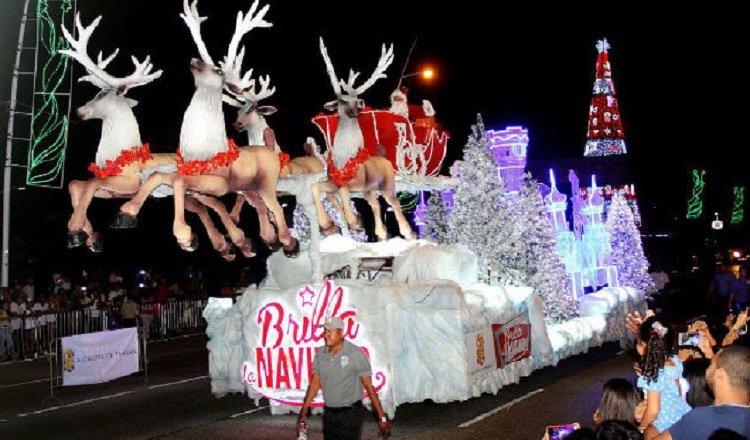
<point>120,155</point>
<point>251,119</point>
<point>351,167</point>
<point>207,162</point>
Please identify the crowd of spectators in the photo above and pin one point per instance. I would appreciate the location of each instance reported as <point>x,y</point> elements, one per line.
<point>32,315</point>
<point>689,384</point>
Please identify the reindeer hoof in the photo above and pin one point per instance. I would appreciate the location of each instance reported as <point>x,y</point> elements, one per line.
<point>292,249</point>
<point>247,248</point>
<point>124,221</point>
<point>77,239</point>
<point>230,255</point>
<point>192,246</point>
<point>97,246</point>
<point>275,246</point>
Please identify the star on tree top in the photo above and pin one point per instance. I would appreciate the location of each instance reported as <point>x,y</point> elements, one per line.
<point>602,45</point>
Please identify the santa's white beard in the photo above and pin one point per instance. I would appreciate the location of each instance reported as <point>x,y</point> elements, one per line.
<point>400,108</point>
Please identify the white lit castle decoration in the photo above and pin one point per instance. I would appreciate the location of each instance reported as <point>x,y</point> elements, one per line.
<point>509,149</point>
<point>567,246</point>
<point>596,248</point>
<point>586,251</point>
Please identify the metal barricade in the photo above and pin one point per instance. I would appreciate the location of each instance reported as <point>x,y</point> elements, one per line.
<point>157,320</point>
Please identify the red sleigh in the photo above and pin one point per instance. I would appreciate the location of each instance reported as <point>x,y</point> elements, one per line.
<point>422,144</point>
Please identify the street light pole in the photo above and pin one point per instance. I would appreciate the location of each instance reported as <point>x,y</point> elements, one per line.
<point>8,163</point>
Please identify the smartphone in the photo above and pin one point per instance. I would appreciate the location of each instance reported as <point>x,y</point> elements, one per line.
<point>689,338</point>
<point>559,432</point>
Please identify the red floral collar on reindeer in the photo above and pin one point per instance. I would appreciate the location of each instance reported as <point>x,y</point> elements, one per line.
<point>198,167</point>
<point>126,157</point>
<point>342,176</point>
<point>284,160</point>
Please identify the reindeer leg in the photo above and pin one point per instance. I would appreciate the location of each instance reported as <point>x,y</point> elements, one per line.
<point>267,233</point>
<point>87,190</point>
<point>325,223</point>
<point>127,217</point>
<point>290,244</point>
<point>372,200</point>
<point>82,193</point>
<point>218,242</point>
<point>235,234</point>
<point>205,184</point>
<point>237,209</point>
<point>76,189</point>
<point>403,224</point>
<point>352,220</point>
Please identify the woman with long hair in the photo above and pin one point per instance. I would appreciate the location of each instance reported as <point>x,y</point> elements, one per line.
<point>694,372</point>
<point>619,401</point>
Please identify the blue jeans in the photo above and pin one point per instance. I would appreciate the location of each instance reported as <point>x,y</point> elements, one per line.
<point>6,341</point>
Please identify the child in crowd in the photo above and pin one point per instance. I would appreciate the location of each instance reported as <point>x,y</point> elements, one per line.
<point>659,379</point>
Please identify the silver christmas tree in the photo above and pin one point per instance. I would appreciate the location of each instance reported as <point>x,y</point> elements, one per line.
<point>436,220</point>
<point>480,218</point>
<point>627,249</point>
<point>544,270</point>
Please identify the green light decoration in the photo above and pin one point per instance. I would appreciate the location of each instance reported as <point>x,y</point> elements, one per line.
<point>695,204</point>
<point>738,209</point>
<point>49,124</point>
<point>408,201</point>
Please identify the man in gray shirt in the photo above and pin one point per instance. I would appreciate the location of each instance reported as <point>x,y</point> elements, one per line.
<point>343,371</point>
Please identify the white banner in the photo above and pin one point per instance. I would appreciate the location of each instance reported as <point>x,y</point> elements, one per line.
<point>99,357</point>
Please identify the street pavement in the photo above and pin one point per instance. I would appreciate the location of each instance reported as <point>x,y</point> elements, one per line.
<point>175,402</point>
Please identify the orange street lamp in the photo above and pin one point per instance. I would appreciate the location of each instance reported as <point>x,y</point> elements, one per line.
<point>426,73</point>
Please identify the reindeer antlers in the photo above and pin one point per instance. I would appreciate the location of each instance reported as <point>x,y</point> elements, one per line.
<point>248,95</point>
<point>243,25</point>
<point>96,73</point>
<point>386,58</point>
<point>329,68</point>
<point>232,63</point>
<point>264,92</point>
<point>193,21</point>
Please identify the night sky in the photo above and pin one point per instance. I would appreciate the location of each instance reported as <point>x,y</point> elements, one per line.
<point>674,69</point>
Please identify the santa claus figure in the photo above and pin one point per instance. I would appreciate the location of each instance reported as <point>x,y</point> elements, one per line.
<point>420,115</point>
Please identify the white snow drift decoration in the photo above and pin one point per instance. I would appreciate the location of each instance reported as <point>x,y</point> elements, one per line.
<point>416,330</point>
<point>426,261</point>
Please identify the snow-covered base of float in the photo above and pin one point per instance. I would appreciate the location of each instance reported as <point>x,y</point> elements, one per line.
<point>427,326</point>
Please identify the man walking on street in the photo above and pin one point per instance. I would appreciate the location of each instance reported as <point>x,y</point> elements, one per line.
<point>343,371</point>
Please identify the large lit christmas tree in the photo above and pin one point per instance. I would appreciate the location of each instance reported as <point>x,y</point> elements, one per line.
<point>605,136</point>
<point>436,219</point>
<point>627,249</point>
<point>480,218</point>
<point>545,271</point>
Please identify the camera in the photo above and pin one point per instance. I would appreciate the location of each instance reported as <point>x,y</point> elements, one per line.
<point>689,338</point>
<point>559,432</point>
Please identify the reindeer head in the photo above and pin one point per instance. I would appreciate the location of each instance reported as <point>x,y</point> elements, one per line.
<point>104,104</point>
<point>347,102</point>
<point>111,98</point>
<point>214,76</point>
<point>251,115</point>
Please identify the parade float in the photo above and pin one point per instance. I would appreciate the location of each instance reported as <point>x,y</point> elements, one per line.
<point>495,286</point>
